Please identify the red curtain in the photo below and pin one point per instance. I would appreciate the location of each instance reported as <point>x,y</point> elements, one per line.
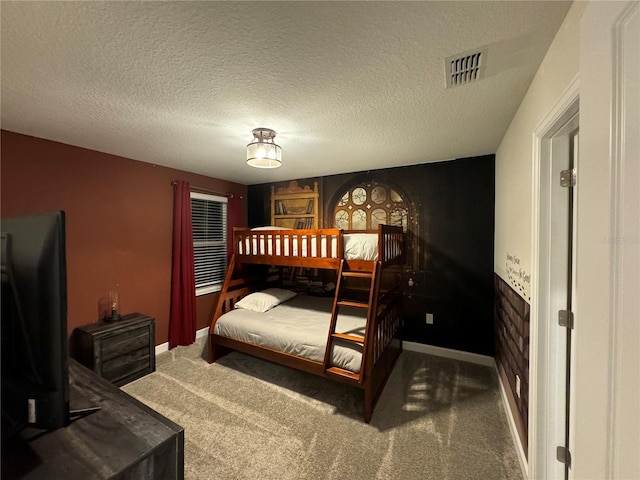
<point>182,320</point>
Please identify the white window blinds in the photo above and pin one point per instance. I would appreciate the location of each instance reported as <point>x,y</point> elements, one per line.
<point>209,222</point>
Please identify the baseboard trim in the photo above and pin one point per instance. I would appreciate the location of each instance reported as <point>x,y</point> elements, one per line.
<point>524,464</point>
<point>165,346</point>
<point>485,360</point>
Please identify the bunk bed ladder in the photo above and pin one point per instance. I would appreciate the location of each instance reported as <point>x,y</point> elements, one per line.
<point>339,301</point>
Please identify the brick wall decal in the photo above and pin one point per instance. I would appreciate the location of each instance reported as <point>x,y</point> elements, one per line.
<point>511,315</point>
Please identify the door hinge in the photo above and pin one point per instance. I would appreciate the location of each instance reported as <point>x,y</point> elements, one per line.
<point>563,455</point>
<point>568,178</point>
<point>565,318</point>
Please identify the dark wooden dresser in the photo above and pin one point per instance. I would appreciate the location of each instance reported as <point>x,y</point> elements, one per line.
<point>123,440</point>
<point>118,351</point>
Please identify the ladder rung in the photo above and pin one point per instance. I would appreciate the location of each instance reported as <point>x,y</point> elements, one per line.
<point>357,274</point>
<point>349,338</point>
<point>343,373</point>
<point>349,303</point>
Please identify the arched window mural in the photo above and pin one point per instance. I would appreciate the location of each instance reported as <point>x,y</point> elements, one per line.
<point>369,204</point>
<point>366,203</point>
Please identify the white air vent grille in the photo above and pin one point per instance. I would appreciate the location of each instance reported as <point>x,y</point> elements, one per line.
<point>465,68</point>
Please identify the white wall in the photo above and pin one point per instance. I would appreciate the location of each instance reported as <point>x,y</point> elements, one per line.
<point>514,179</point>
<point>514,158</point>
<point>598,44</point>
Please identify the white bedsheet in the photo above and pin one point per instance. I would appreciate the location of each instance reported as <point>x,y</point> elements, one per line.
<point>357,246</point>
<point>298,327</point>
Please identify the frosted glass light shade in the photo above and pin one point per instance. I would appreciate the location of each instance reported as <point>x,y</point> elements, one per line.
<point>263,152</point>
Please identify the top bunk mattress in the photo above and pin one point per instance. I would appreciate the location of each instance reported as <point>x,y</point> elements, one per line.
<point>298,327</point>
<point>357,246</point>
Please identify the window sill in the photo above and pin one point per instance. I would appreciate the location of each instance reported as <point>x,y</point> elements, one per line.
<point>208,290</point>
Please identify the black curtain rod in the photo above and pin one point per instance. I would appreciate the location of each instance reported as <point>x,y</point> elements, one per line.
<point>206,190</point>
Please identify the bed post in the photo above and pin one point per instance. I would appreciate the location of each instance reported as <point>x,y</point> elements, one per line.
<point>217,352</point>
<point>369,400</point>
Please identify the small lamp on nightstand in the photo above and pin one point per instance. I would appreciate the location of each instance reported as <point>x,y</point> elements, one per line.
<point>109,307</point>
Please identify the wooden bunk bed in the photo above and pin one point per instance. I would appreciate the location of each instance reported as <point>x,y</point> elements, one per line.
<point>376,276</point>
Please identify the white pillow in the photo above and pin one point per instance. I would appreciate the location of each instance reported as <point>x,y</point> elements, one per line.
<point>362,246</point>
<point>269,227</point>
<point>265,300</point>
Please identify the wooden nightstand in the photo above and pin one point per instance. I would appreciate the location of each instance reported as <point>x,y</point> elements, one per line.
<point>119,351</point>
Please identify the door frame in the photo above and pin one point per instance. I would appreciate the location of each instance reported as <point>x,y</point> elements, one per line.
<point>607,380</point>
<point>541,409</point>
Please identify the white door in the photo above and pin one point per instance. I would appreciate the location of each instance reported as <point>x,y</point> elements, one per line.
<point>562,287</point>
<point>554,287</point>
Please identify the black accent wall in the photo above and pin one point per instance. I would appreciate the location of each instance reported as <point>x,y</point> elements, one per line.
<point>451,233</point>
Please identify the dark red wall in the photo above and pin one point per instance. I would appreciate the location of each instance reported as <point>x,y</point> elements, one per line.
<point>119,222</point>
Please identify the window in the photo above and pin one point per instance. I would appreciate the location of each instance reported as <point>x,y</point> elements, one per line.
<point>209,223</point>
<point>369,204</point>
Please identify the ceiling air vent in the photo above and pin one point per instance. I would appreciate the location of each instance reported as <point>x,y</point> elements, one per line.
<point>465,68</point>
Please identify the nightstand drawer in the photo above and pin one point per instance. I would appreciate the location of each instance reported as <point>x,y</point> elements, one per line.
<point>126,342</point>
<point>119,351</point>
<point>124,365</point>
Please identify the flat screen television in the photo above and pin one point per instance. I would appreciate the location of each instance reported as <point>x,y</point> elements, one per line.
<point>34,355</point>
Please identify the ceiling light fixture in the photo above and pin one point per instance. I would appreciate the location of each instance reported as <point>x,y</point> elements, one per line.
<point>263,152</point>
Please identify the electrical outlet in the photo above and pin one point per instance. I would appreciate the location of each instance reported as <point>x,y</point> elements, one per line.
<point>518,386</point>
<point>429,318</point>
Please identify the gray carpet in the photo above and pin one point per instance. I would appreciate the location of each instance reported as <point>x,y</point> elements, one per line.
<point>248,419</point>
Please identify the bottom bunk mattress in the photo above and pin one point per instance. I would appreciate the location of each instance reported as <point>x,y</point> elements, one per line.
<point>298,327</point>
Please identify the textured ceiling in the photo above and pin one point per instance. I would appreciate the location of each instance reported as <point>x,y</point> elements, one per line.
<point>348,86</point>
